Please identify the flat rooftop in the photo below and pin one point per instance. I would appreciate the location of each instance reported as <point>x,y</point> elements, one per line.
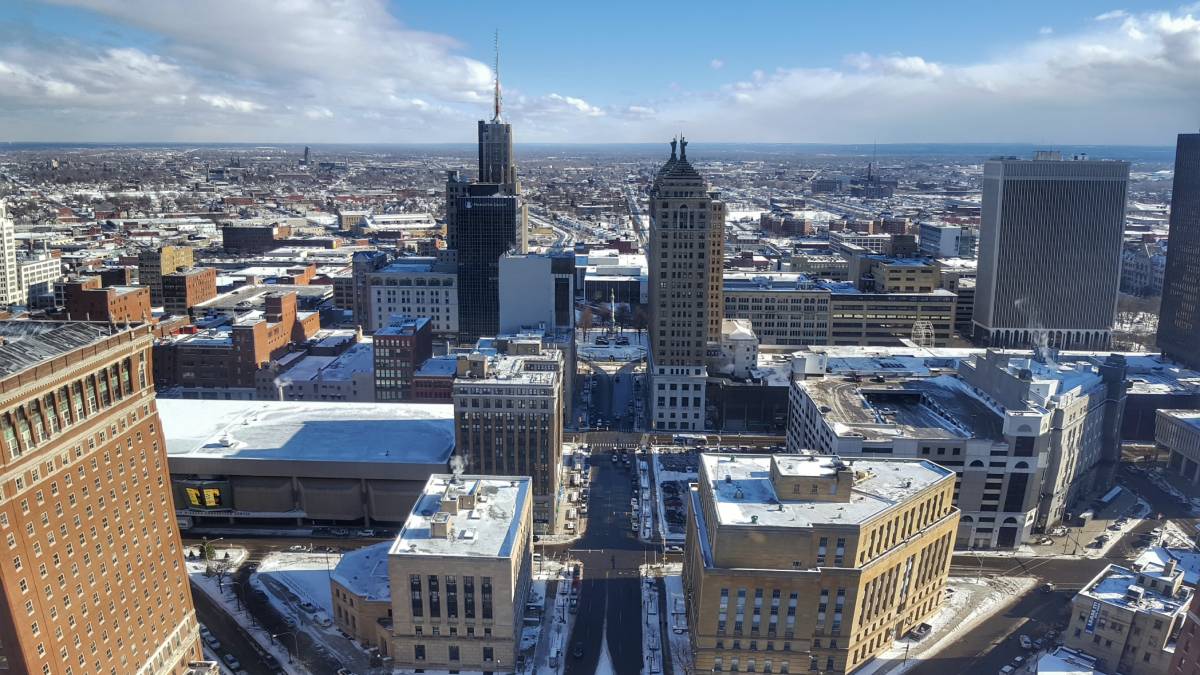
<point>255,296</point>
<point>1120,587</point>
<point>932,407</point>
<point>748,496</point>
<point>489,530</point>
<point>417,433</point>
<point>1189,417</point>
<point>24,344</point>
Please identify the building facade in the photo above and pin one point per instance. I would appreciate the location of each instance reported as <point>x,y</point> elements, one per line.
<point>508,420</point>
<point>400,349</point>
<point>154,263</point>
<point>685,258</point>
<point>460,576</point>
<point>1187,648</point>
<point>188,287</point>
<point>537,290</point>
<point>1129,620</point>
<point>1050,243</point>
<point>36,276</point>
<point>1179,318</point>
<point>91,557</point>
<point>9,288</point>
<point>415,287</point>
<point>796,563</point>
<point>85,300</point>
<point>1178,432</point>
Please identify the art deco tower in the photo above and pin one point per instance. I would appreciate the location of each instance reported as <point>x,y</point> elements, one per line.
<point>685,258</point>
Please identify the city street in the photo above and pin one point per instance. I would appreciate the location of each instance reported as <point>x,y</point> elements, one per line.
<point>610,599</point>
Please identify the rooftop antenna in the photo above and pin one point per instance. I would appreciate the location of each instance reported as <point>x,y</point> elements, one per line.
<point>496,116</point>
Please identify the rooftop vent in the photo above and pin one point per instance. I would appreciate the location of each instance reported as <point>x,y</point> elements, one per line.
<point>1135,593</point>
<point>754,519</point>
<point>738,494</point>
<point>728,479</point>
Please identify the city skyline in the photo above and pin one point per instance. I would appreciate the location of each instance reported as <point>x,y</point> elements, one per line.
<point>380,72</point>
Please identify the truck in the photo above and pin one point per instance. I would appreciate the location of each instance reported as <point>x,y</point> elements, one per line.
<point>572,514</point>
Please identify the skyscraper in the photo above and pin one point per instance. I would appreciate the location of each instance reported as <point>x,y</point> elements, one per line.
<point>9,286</point>
<point>1179,318</point>
<point>685,256</point>
<point>484,220</point>
<point>1050,252</point>
<point>93,548</point>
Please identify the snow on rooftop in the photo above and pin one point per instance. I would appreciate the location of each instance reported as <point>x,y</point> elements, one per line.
<point>749,494</point>
<point>1063,661</point>
<point>364,572</point>
<point>421,433</point>
<point>488,529</point>
<point>1120,586</point>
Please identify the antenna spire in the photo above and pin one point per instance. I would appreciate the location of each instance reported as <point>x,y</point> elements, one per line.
<point>496,115</point>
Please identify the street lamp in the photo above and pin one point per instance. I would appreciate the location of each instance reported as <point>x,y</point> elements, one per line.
<point>295,644</point>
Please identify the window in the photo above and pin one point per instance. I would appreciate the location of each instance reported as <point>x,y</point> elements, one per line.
<point>453,652</point>
<point>419,652</point>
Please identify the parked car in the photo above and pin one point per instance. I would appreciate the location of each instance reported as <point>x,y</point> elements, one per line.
<point>1026,643</point>
<point>673,548</point>
<point>344,671</point>
<point>577,650</point>
<point>231,661</point>
<point>212,642</point>
<point>920,631</point>
<point>1048,587</point>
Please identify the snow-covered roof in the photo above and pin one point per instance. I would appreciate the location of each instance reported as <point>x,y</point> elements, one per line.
<point>1063,661</point>
<point>744,493</point>
<point>364,572</point>
<point>489,528</point>
<point>421,433</point>
<point>1123,587</point>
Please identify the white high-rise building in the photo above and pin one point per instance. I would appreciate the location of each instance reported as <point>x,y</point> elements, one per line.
<point>1050,251</point>
<point>10,287</point>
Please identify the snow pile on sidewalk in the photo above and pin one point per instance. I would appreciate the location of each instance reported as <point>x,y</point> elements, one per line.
<point>971,602</point>
<point>305,574</point>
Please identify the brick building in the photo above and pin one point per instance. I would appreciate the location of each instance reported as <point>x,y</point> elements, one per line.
<point>253,238</point>
<point>228,356</point>
<point>93,550</point>
<point>84,299</point>
<point>400,349</point>
<point>153,264</point>
<point>187,288</point>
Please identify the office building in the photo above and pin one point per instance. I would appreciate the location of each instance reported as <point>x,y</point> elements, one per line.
<point>82,452</point>
<point>1178,432</point>
<point>1144,268</point>
<point>348,377</point>
<point>36,276</point>
<point>400,349</point>
<point>10,292</point>
<point>414,287</point>
<point>1030,440</point>
<point>449,593</point>
<point>354,293</point>
<point>537,290</point>
<point>508,419</point>
<point>1179,317</point>
<point>1129,620</point>
<point>154,263</point>
<point>486,223</point>
<point>188,287</point>
<point>943,240</point>
<point>685,258</point>
<point>1050,252</point>
<point>789,309</point>
<point>859,555</point>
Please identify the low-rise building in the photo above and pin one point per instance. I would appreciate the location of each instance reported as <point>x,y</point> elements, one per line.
<point>347,377</point>
<point>37,274</point>
<point>302,463</point>
<point>808,563</point>
<point>449,593</point>
<point>85,300</point>
<point>1178,432</point>
<point>1187,646</point>
<point>414,287</point>
<point>434,380</point>
<point>1129,621</point>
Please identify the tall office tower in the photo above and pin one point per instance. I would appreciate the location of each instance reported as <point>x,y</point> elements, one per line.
<point>10,290</point>
<point>1179,318</point>
<point>496,164</point>
<point>1050,252</point>
<point>685,259</point>
<point>93,549</point>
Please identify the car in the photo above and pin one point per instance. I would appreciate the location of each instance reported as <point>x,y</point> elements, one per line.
<point>367,533</point>
<point>674,549</point>
<point>577,650</point>
<point>296,548</point>
<point>1007,670</point>
<point>212,642</point>
<point>1048,587</point>
<point>308,607</point>
<point>322,619</point>
<point>344,671</point>
<point>340,532</point>
<point>1026,643</point>
<point>920,631</point>
<point>231,661</point>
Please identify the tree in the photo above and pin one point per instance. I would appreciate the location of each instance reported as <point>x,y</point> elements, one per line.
<point>585,320</point>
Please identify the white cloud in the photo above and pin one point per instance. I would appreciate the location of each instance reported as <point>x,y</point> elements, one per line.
<point>1045,30</point>
<point>577,104</point>
<point>221,102</point>
<point>716,64</point>
<point>1110,15</point>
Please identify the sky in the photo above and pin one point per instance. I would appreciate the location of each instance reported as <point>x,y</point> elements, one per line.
<point>374,71</point>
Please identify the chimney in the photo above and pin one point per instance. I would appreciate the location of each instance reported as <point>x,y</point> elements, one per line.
<point>450,502</point>
<point>1169,568</point>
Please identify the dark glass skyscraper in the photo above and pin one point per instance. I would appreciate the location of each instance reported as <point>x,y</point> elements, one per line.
<point>1179,318</point>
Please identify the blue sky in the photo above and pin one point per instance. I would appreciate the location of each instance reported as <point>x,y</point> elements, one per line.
<point>378,71</point>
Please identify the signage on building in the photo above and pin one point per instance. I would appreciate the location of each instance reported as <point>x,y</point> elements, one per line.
<point>206,495</point>
<point>1093,616</point>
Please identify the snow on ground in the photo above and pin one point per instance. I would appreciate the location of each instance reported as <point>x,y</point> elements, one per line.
<point>236,555</point>
<point>604,666</point>
<point>972,602</point>
<point>307,574</point>
<point>676,619</point>
<point>1078,545</point>
<point>222,593</point>
<point>659,477</point>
